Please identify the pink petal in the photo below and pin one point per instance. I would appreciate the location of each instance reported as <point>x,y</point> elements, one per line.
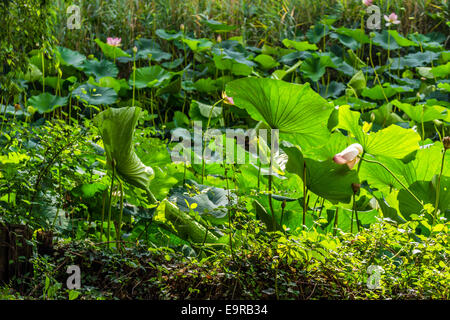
<point>339,159</point>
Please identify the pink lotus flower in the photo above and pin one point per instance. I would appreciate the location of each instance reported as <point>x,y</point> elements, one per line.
<point>114,42</point>
<point>392,19</point>
<point>367,2</point>
<point>349,155</point>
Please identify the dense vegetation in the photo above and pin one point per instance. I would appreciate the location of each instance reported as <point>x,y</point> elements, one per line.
<point>225,149</point>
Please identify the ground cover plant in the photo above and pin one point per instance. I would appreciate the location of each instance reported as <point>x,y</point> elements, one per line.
<point>225,150</point>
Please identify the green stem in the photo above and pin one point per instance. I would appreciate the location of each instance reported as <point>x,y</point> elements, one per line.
<point>438,186</point>
<point>335,221</point>
<point>110,202</point>
<point>134,76</point>
<point>203,137</point>
<point>121,213</point>
<point>305,190</point>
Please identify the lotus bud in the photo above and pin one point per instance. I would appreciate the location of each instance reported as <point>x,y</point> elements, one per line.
<point>31,110</point>
<point>182,27</point>
<point>349,156</point>
<point>135,49</point>
<point>227,99</point>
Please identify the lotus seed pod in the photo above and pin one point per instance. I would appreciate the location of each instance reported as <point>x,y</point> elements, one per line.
<point>446,142</point>
<point>356,187</point>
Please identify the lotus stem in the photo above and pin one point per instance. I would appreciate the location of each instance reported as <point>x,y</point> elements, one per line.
<point>335,220</point>
<point>203,137</point>
<point>305,190</point>
<point>113,164</point>
<point>121,214</point>
<point>438,185</point>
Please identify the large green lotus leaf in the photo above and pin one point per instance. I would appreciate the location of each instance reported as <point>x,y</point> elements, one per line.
<point>325,178</point>
<point>412,60</point>
<point>356,34</point>
<point>46,102</point>
<point>89,190</point>
<point>209,202</point>
<point>173,64</point>
<point>424,167</point>
<point>422,113</point>
<point>314,67</point>
<point>444,86</point>
<point>299,45</point>
<point>333,89</point>
<point>358,82</point>
<point>163,34</point>
<point>111,52</point>
<point>385,41</point>
<point>100,69</point>
<point>377,177</point>
<point>261,213</point>
<point>117,129</point>
<point>389,205</point>
<point>70,58</point>
<point>149,77</point>
<point>336,143</point>
<point>393,141</point>
<point>402,41</point>
<point>266,61</point>
<point>376,92</point>
<point>426,192</point>
<point>347,41</point>
<point>426,42</point>
<point>349,120</point>
<point>172,87</point>
<point>33,73</point>
<point>441,71</point>
<point>291,108</point>
<point>354,60</point>
<point>205,110</point>
<point>218,26</point>
<point>234,51</point>
<point>95,95</point>
<point>198,45</point>
<point>149,46</point>
<point>317,32</point>
<point>109,82</point>
<point>186,226</point>
<point>205,85</point>
<point>236,68</point>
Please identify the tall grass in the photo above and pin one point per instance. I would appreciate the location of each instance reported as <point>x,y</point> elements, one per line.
<point>257,20</point>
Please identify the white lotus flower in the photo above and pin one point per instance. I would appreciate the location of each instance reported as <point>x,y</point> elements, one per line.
<point>349,155</point>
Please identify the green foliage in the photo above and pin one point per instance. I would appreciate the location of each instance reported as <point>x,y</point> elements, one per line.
<point>293,223</point>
